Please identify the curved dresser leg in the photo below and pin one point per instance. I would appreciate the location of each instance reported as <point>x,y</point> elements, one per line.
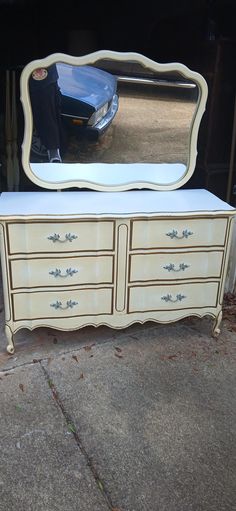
<point>216,325</point>
<point>9,336</point>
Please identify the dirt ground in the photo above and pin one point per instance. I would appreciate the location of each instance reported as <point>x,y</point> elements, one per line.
<point>151,127</point>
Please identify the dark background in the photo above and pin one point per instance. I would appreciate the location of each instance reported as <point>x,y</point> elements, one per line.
<point>198,33</point>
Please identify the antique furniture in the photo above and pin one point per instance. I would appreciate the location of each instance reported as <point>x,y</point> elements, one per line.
<point>113,240</point>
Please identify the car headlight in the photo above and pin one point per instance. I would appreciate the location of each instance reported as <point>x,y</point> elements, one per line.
<point>97,116</point>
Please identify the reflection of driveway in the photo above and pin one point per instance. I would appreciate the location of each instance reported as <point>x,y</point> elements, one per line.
<point>146,129</point>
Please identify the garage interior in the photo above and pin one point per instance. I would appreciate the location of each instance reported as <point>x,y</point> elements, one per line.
<point>200,34</point>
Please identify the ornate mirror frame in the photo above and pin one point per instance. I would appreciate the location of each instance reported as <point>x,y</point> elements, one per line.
<point>100,183</point>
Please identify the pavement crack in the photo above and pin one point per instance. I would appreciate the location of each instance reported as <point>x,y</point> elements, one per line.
<point>73,430</point>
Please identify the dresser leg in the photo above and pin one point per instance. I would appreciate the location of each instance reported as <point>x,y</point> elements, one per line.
<point>9,336</point>
<point>216,325</point>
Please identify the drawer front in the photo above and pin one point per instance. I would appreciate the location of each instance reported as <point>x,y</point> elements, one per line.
<point>172,297</point>
<point>175,266</point>
<point>66,271</point>
<point>62,304</point>
<point>37,237</point>
<point>174,233</point>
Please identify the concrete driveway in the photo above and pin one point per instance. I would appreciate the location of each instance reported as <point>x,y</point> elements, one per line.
<point>141,419</point>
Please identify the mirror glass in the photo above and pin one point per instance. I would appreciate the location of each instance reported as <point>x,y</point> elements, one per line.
<point>110,121</point>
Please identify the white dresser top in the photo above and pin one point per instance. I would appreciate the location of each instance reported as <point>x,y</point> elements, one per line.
<point>90,203</point>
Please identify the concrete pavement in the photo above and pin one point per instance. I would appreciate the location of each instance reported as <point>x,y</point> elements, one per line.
<point>132,420</point>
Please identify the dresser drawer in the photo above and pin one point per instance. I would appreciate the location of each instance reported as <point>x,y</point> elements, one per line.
<point>172,296</point>
<point>37,237</point>
<point>175,266</point>
<point>66,271</point>
<point>147,234</point>
<point>62,304</point>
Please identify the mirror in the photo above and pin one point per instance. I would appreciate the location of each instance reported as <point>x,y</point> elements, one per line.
<point>123,121</point>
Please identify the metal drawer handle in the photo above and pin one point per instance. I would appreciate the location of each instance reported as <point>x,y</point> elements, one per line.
<point>174,234</point>
<point>168,298</point>
<point>69,305</point>
<point>171,267</point>
<point>56,237</point>
<point>57,273</point>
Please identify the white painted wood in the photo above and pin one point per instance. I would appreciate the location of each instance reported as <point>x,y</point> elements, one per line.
<point>39,305</point>
<point>73,236</point>
<point>63,271</point>
<point>118,258</point>
<point>189,232</point>
<point>191,296</point>
<point>90,204</point>
<point>175,266</point>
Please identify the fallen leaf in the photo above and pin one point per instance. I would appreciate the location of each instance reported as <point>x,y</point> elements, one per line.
<point>75,358</point>
<point>89,347</point>
<point>81,376</point>
<point>168,357</point>
<point>118,349</point>
<point>71,427</point>
<point>118,355</point>
<point>100,485</point>
<point>21,387</point>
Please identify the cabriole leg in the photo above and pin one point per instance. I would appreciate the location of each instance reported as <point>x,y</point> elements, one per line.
<point>216,325</point>
<point>9,336</point>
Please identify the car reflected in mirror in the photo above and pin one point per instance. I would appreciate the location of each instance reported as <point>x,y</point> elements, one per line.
<point>88,104</point>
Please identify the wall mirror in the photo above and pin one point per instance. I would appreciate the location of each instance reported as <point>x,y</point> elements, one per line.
<point>126,122</point>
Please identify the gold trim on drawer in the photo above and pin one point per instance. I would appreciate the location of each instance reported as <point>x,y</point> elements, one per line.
<point>173,296</point>
<point>71,303</point>
<point>177,233</point>
<point>42,237</point>
<point>61,271</point>
<point>175,265</point>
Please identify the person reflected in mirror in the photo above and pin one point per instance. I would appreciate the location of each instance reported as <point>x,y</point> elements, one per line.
<point>46,108</point>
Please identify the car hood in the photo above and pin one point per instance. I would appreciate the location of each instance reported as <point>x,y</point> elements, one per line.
<point>86,83</point>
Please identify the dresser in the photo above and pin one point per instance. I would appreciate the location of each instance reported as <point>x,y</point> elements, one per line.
<point>73,259</point>
<point>113,239</point>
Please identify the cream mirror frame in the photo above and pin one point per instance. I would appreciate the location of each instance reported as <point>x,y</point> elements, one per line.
<point>115,176</point>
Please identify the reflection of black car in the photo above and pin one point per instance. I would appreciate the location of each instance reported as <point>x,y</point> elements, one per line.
<point>89,101</point>
<point>89,98</point>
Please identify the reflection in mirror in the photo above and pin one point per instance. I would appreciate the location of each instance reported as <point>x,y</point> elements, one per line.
<point>113,111</point>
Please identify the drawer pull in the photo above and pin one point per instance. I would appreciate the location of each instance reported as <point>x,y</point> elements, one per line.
<point>69,305</point>
<point>174,234</point>
<point>171,267</point>
<point>57,273</point>
<point>168,298</point>
<point>68,237</point>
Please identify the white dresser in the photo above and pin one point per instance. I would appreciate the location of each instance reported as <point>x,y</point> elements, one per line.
<point>72,259</point>
<point>136,247</point>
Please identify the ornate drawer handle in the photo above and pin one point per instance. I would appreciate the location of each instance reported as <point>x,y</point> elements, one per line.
<point>57,273</point>
<point>168,298</point>
<point>171,267</point>
<point>174,234</point>
<point>56,237</point>
<point>69,305</point>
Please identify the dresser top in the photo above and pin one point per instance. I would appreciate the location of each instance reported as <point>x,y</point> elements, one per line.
<point>90,203</point>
